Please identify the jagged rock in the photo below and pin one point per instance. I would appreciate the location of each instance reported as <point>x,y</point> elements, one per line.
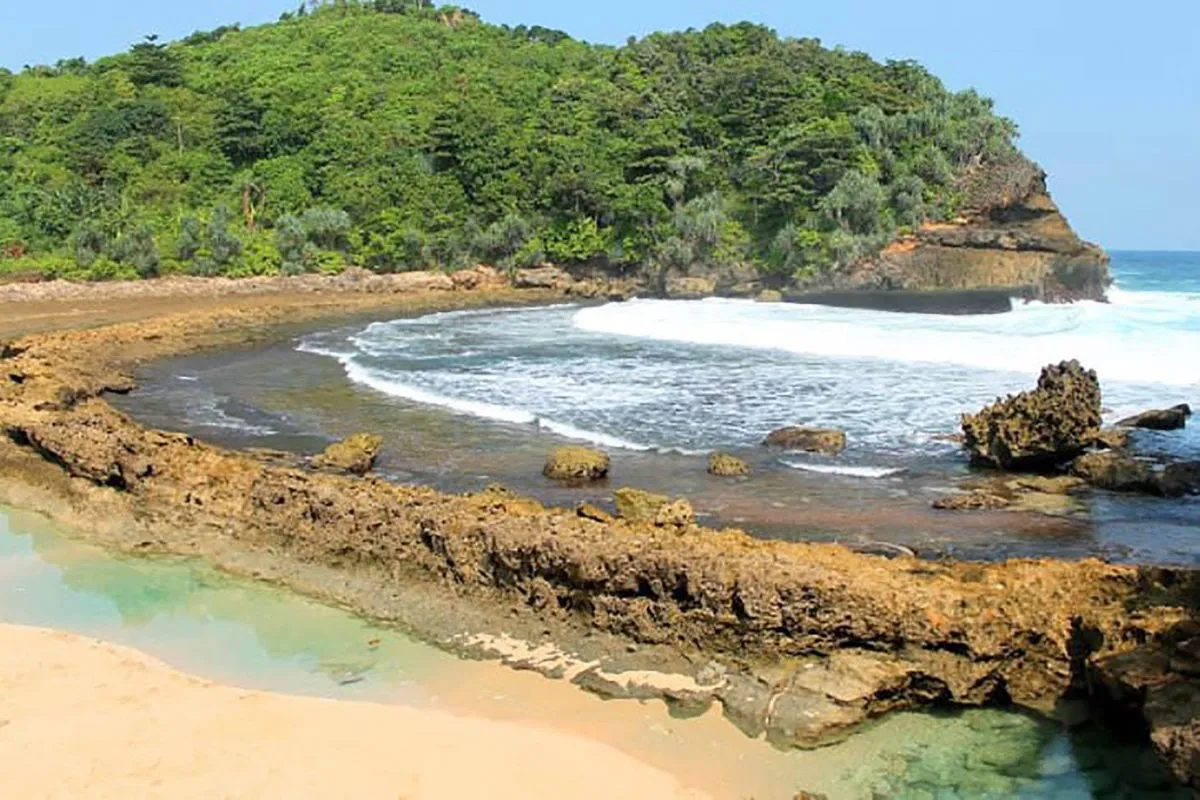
<point>1041,428</point>
<point>1111,438</point>
<point>687,288</point>
<point>593,512</point>
<point>544,277</point>
<point>675,514</point>
<point>726,465</point>
<point>1115,471</point>
<point>1161,419</point>
<point>1179,479</point>
<point>828,441</point>
<point>636,505</point>
<point>479,278</point>
<point>576,464</point>
<point>971,501</point>
<point>354,455</point>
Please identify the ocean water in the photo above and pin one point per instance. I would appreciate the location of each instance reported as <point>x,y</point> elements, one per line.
<point>690,376</point>
<point>256,636</point>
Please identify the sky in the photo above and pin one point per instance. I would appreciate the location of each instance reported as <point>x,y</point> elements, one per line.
<point>1106,93</point>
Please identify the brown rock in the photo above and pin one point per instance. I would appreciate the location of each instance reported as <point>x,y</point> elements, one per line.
<point>690,288</point>
<point>576,464</point>
<point>1041,428</point>
<point>971,501</point>
<point>1111,438</point>
<point>593,512</point>
<point>416,281</point>
<point>675,514</point>
<point>354,455</point>
<point>1179,479</point>
<point>1058,484</point>
<point>828,441</point>
<point>636,505</point>
<point>1115,471</point>
<point>544,277</point>
<point>1162,419</point>
<point>726,465</point>
<point>479,278</point>
<point>770,296</point>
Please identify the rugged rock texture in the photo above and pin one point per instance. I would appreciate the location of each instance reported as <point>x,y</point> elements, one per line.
<point>576,464</point>
<point>681,288</point>
<point>1038,429</point>
<point>1163,419</point>
<point>726,465</point>
<point>1115,471</point>
<point>636,505</point>
<point>817,639</point>
<point>828,441</point>
<point>1010,236</point>
<point>1179,479</point>
<point>354,455</point>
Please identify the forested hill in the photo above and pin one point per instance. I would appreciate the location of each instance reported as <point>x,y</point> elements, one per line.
<point>398,137</point>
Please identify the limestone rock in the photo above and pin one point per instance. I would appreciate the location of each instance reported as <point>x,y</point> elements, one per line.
<point>636,505</point>
<point>1162,419</point>
<point>828,441</point>
<point>576,464</point>
<point>1115,471</point>
<point>687,288</point>
<point>354,455</point>
<point>543,277</point>
<point>479,278</point>
<point>418,281</point>
<point>1041,428</point>
<point>593,512</point>
<point>1111,438</point>
<point>1058,484</point>
<point>1179,479</point>
<point>675,514</point>
<point>726,465</point>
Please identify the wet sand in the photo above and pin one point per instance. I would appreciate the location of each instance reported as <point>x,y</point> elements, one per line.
<point>79,717</point>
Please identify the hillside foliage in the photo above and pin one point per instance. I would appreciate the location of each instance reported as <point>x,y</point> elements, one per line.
<point>399,136</point>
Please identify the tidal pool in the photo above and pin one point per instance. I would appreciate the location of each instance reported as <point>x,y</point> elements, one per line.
<point>253,635</point>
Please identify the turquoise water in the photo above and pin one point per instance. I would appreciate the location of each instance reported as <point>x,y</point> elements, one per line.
<point>251,635</point>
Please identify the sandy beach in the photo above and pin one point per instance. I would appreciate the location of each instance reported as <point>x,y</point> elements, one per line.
<point>82,718</point>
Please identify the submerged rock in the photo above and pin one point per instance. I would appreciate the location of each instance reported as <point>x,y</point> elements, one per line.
<point>576,464</point>
<point>354,455</point>
<point>1115,471</point>
<point>1162,419</point>
<point>636,505</point>
<point>828,441</point>
<point>1179,479</point>
<point>971,501</point>
<point>1041,428</point>
<point>726,465</point>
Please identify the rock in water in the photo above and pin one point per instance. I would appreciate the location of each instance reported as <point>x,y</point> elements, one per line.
<point>355,455</point>
<point>971,501</point>
<point>1180,479</point>
<point>676,514</point>
<point>828,441</point>
<point>635,505</point>
<point>1112,439</point>
<point>1041,428</point>
<point>1162,419</point>
<point>576,464</point>
<point>1116,472</point>
<point>726,465</point>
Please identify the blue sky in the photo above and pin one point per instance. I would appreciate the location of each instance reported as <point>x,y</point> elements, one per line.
<point>1107,94</point>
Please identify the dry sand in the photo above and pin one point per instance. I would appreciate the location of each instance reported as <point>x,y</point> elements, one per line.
<point>82,718</point>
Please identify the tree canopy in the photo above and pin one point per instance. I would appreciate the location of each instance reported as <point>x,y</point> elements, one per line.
<point>397,135</point>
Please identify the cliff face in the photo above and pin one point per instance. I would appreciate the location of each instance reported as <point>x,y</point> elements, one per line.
<point>1011,237</point>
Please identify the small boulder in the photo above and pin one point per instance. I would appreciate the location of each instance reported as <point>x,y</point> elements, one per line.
<point>971,501</point>
<point>1179,479</point>
<point>479,278</point>
<point>543,277</point>
<point>828,441</point>
<point>726,465</point>
<point>354,455</point>
<point>676,514</point>
<point>1115,471</point>
<point>576,464</point>
<point>1161,419</point>
<point>1041,428</point>
<point>770,296</point>
<point>636,505</point>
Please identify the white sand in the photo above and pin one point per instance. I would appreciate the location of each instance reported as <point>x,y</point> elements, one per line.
<point>82,718</point>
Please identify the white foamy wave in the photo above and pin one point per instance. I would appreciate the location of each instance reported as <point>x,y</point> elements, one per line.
<point>593,437</point>
<point>1113,339</point>
<point>851,472</point>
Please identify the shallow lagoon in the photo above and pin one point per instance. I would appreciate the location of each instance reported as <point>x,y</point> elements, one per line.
<point>253,635</point>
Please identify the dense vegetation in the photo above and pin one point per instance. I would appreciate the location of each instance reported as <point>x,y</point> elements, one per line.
<point>399,136</point>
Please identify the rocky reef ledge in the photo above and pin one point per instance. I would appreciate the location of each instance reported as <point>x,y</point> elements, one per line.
<point>803,641</point>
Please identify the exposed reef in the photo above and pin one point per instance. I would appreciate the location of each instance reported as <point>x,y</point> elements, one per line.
<point>803,641</point>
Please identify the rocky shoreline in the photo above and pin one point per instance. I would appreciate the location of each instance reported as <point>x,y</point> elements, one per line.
<point>802,641</point>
